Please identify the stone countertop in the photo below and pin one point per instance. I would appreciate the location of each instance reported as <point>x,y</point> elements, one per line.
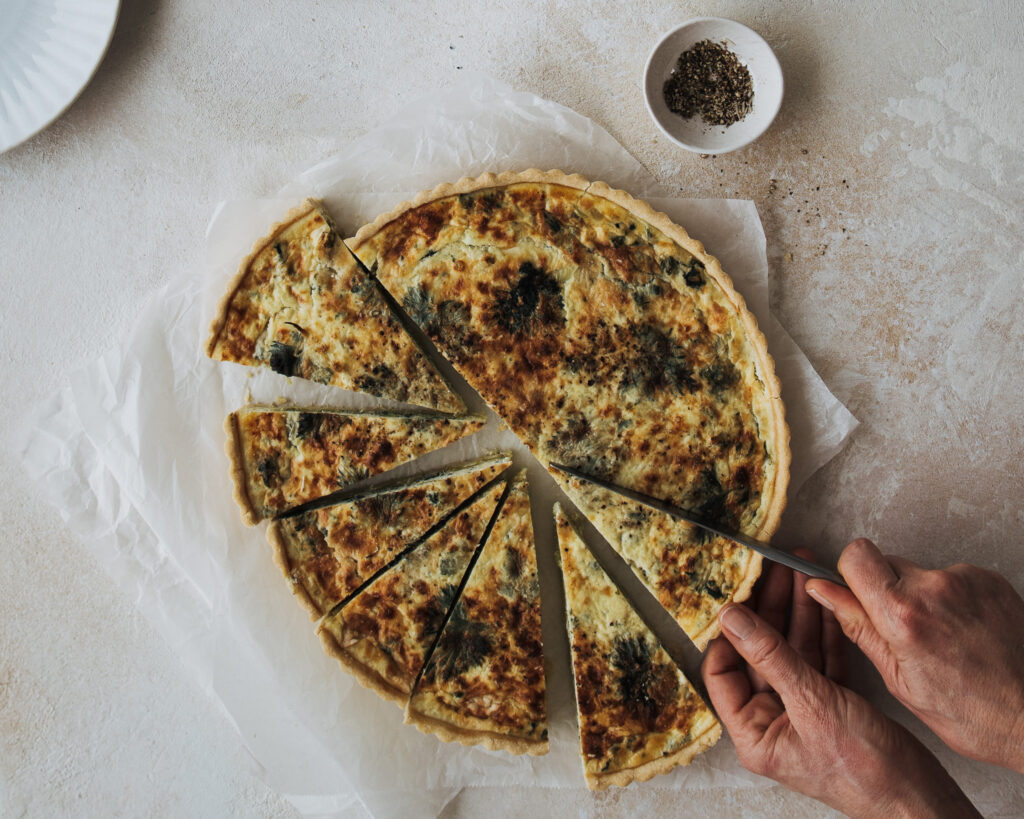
<point>890,190</point>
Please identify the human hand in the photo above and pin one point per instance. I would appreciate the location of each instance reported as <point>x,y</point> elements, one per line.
<point>948,643</point>
<point>790,719</point>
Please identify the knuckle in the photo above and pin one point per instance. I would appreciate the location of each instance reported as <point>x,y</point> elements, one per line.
<point>853,552</point>
<point>943,586</point>
<point>858,558</point>
<point>766,648</point>
<point>862,550</point>
<point>853,628</point>
<point>907,616</point>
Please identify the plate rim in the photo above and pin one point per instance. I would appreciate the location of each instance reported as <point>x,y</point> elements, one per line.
<point>87,78</point>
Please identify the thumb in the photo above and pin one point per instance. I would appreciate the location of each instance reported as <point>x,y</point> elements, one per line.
<point>767,652</point>
<point>853,619</point>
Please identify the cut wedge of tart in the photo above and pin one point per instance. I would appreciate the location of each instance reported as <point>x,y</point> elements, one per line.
<point>384,633</point>
<point>303,306</point>
<point>329,552</point>
<point>638,714</point>
<point>484,682</point>
<point>283,457</point>
<point>693,574</point>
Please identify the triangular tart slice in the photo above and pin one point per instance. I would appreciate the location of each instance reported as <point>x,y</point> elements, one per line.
<point>484,682</point>
<point>304,306</point>
<point>691,573</point>
<point>282,457</point>
<point>384,633</point>
<point>328,553</point>
<point>638,714</point>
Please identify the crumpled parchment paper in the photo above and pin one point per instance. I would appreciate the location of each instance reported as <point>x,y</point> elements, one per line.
<point>131,452</point>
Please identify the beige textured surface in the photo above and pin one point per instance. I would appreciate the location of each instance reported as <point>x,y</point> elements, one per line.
<point>893,229</point>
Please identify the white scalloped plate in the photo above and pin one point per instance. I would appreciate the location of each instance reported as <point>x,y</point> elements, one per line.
<point>49,50</point>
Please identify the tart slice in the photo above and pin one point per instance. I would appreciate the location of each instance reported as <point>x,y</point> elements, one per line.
<point>282,457</point>
<point>484,682</point>
<point>691,573</point>
<point>385,632</point>
<point>328,553</point>
<point>304,306</point>
<point>638,715</point>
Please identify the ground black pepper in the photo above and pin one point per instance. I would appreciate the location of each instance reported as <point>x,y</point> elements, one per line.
<point>709,80</point>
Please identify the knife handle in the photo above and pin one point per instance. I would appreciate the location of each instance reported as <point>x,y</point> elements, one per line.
<point>800,565</point>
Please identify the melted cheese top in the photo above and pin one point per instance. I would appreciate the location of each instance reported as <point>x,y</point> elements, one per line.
<point>606,346</point>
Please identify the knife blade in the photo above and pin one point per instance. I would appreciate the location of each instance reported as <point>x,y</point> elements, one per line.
<point>770,552</point>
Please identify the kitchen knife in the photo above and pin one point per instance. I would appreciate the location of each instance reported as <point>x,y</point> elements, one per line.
<point>770,552</point>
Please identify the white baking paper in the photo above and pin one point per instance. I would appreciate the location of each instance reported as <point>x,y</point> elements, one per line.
<point>131,452</point>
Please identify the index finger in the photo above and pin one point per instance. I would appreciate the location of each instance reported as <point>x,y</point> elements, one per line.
<point>773,604</point>
<point>768,653</point>
<point>870,576</point>
<point>804,632</point>
<point>725,677</point>
<point>745,713</point>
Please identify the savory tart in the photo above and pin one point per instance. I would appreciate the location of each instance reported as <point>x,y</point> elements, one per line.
<point>329,552</point>
<point>484,681</point>
<point>608,340</point>
<point>384,633</point>
<point>283,457</point>
<point>302,305</point>
<point>638,714</point>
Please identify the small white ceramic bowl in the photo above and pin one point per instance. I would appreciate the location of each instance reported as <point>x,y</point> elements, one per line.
<point>750,48</point>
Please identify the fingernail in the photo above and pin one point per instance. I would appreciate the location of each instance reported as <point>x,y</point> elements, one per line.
<point>738,622</point>
<point>821,599</point>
